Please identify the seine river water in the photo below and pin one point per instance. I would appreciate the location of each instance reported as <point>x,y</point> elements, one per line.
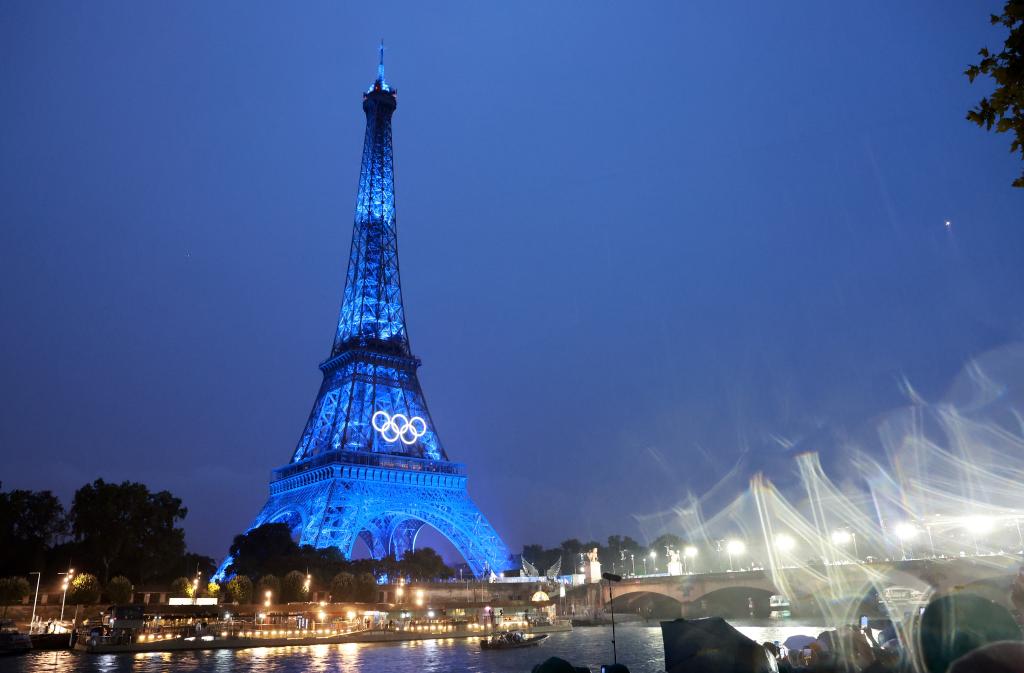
<point>639,648</point>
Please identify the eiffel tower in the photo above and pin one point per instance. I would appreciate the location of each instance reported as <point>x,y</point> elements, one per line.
<point>369,463</point>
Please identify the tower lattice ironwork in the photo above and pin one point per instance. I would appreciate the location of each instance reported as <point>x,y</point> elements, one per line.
<point>369,462</point>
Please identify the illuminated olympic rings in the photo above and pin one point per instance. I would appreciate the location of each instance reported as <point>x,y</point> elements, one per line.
<point>398,427</point>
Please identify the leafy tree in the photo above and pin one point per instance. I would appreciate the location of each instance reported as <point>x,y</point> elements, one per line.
<point>623,543</point>
<point>181,587</point>
<point>1005,107</point>
<point>343,587</point>
<point>389,567</point>
<point>667,540</point>
<point>570,553</point>
<point>365,588</point>
<point>192,564</point>
<point>13,590</point>
<point>119,590</point>
<point>126,528</point>
<point>213,589</point>
<point>31,522</point>
<point>269,583</point>
<point>255,551</point>
<point>543,558</point>
<point>533,553</point>
<point>424,564</point>
<point>85,589</point>
<point>292,587</point>
<point>617,554</point>
<point>240,589</point>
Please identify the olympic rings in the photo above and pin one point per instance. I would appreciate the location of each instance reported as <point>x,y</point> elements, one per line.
<point>398,427</point>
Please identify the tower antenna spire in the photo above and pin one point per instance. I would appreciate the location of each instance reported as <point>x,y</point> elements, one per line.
<point>380,65</point>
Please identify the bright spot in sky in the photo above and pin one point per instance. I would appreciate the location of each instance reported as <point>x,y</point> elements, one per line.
<point>784,542</point>
<point>841,537</point>
<point>735,547</point>
<point>905,531</point>
<point>949,224</point>
<point>979,524</point>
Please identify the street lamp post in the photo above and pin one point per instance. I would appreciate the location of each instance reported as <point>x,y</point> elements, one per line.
<point>64,587</point>
<point>841,538</point>
<point>35,601</point>
<point>612,577</point>
<point>978,525</point>
<point>689,552</point>
<point>632,558</point>
<point>644,559</point>
<point>904,532</point>
<point>654,561</point>
<point>734,548</point>
<point>784,544</point>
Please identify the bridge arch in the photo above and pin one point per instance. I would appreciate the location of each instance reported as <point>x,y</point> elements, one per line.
<point>649,604</point>
<point>735,601</point>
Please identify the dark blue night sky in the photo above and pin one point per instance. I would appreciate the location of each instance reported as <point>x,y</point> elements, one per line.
<point>640,242</point>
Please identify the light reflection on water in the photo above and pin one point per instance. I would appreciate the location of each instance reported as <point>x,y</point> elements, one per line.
<point>639,647</point>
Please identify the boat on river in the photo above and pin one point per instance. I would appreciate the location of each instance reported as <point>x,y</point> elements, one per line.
<point>511,640</point>
<point>13,641</point>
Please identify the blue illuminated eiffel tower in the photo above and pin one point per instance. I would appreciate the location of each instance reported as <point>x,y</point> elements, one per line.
<point>369,463</point>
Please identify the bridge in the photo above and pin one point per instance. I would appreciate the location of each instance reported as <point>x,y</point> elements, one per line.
<point>836,588</point>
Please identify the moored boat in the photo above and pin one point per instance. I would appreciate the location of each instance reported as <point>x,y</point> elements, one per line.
<point>511,640</point>
<point>13,641</point>
<point>53,641</point>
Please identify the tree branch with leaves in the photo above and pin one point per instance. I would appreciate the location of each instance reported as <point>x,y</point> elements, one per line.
<point>1004,109</point>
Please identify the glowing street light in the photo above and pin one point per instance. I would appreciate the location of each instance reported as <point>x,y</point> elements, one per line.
<point>266,597</point>
<point>843,537</point>
<point>689,552</point>
<point>734,548</point>
<point>307,583</point>
<point>904,532</point>
<point>654,561</point>
<point>68,576</point>
<point>785,543</point>
<point>978,525</point>
<point>419,597</point>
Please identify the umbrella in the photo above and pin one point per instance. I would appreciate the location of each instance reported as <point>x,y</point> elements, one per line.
<point>798,642</point>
